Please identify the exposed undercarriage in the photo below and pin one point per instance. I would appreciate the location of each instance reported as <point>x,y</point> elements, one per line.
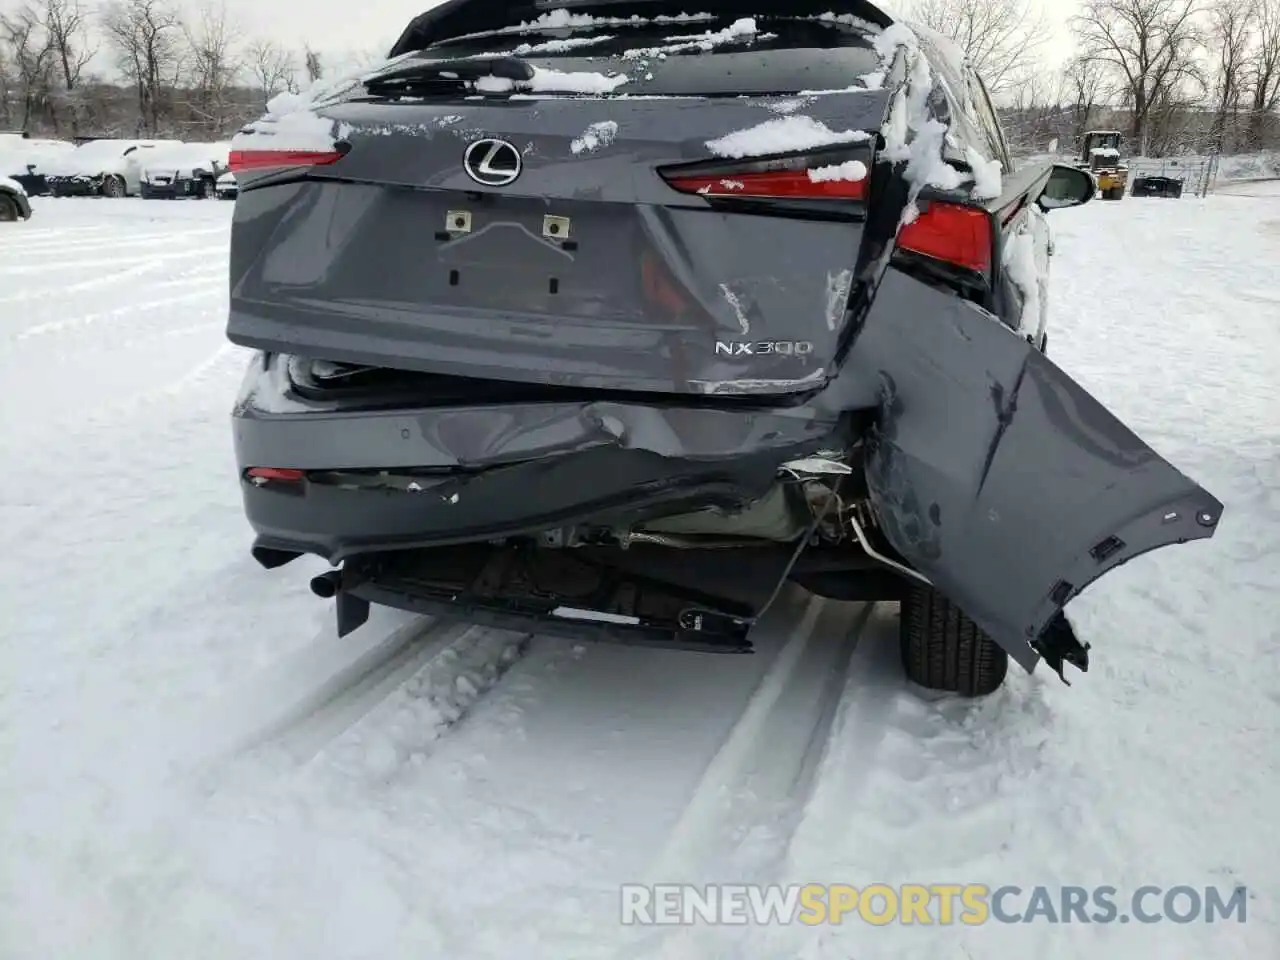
<point>695,579</point>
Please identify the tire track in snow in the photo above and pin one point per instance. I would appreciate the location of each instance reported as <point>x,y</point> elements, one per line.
<point>75,323</point>
<point>25,270</point>
<point>396,714</point>
<point>128,246</point>
<point>295,693</point>
<point>368,701</point>
<point>914,787</point>
<point>119,276</point>
<point>739,820</point>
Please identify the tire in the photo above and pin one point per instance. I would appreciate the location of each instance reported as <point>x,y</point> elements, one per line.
<point>206,190</point>
<point>113,187</point>
<point>942,649</point>
<point>9,210</point>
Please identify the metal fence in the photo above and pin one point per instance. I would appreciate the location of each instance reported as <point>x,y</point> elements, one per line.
<point>1197,173</point>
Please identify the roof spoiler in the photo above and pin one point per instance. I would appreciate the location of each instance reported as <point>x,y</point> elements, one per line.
<point>456,18</point>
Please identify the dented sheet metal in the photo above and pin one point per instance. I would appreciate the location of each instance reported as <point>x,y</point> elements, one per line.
<point>272,426</point>
<point>997,475</point>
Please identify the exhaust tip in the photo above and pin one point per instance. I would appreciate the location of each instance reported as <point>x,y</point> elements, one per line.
<point>326,585</point>
<point>270,558</point>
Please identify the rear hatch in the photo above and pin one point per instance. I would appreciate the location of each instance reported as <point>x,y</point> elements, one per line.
<point>640,205</point>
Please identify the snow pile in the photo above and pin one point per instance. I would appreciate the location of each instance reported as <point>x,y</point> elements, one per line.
<point>845,19</point>
<point>849,170</point>
<point>17,154</point>
<point>914,137</point>
<point>1019,261</point>
<point>186,159</point>
<point>560,46</point>
<point>290,123</point>
<point>781,135</point>
<point>99,157</point>
<point>596,136</point>
<point>553,81</point>
<point>740,30</point>
<point>790,105</point>
<point>563,19</point>
<point>988,179</point>
<point>1250,166</point>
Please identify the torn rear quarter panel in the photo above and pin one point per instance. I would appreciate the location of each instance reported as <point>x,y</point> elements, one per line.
<point>999,477</point>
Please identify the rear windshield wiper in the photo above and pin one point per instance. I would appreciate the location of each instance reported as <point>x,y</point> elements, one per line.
<point>459,71</point>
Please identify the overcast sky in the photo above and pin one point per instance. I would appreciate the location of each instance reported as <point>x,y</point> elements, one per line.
<point>353,25</point>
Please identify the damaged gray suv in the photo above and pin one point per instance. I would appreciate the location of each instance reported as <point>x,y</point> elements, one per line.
<point>607,319</point>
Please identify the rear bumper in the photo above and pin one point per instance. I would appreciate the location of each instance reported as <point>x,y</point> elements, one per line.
<point>459,474</point>
<point>180,187</point>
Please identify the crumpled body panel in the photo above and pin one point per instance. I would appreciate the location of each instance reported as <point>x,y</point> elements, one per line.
<point>997,475</point>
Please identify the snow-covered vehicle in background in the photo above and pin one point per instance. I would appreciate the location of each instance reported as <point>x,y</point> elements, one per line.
<point>14,204</point>
<point>1158,185</point>
<point>105,167</point>
<point>190,170</point>
<point>25,159</point>
<point>614,324</point>
<point>228,188</point>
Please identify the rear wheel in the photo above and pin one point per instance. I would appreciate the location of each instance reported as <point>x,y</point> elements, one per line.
<point>943,649</point>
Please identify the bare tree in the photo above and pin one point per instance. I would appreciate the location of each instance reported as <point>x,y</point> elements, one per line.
<point>214,64</point>
<point>1232,32</point>
<point>312,63</point>
<point>272,68</point>
<point>66,24</point>
<point>32,56</point>
<point>1084,88</point>
<point>1150,45</point>
<point>1001,37</point>
<point>1033,111</point>
<point>6,90</point>
<point>1263,70</point>
<point>146,36</point>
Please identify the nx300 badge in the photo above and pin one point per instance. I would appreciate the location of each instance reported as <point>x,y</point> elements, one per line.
<point>760,348</point>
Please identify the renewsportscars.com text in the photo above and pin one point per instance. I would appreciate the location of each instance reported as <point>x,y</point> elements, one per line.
<point>926,904</point>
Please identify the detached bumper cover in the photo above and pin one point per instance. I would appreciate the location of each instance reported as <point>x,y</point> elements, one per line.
<point>998,476</point>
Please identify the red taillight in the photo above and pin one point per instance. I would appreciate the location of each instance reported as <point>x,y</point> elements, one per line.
<point>242,160</point>
<point>820,183</point>
<point>946,231</point>
<point>282,474</point>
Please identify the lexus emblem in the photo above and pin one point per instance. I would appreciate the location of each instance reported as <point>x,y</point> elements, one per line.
<point>495,163</point>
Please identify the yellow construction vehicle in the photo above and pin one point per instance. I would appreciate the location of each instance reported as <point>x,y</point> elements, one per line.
<point>1100,155</point>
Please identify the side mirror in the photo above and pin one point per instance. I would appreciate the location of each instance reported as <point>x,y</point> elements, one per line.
<point>1067,187</point>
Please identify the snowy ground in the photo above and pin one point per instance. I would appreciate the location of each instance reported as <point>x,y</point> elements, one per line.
<point>192,766</point>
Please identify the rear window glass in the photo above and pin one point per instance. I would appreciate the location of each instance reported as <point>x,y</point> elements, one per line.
<point>706,58</point>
